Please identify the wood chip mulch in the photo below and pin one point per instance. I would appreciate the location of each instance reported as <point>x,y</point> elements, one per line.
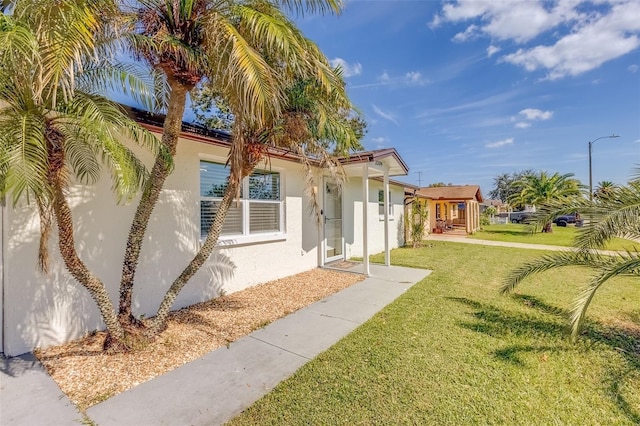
<point>89,376</point>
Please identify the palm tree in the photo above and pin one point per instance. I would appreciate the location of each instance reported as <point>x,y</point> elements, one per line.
<point>312,123</point>
<point>604,189</point>
<point>614,216</point>
<point>53,126</point>
<point>232,46</point>
<point>539,189</point>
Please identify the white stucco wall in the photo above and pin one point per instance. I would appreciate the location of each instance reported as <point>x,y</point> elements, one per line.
<point>353,218</point>
<point>40,310</point>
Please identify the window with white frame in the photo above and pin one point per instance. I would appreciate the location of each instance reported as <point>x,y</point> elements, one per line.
<point>381,205</point>
<point>260,209</point>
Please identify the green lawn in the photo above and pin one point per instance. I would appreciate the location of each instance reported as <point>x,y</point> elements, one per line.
<point>452,351</point>
<point>561,236</point>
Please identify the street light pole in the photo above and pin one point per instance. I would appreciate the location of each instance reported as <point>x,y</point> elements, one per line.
<point>590,173</point>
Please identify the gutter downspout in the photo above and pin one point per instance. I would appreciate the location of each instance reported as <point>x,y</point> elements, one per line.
<point>3,228</point>
<point>365,207</point>
<point>387,254</point>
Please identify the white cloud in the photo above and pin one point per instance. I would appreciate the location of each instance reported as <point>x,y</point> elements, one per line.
<point>501,20</point>
<point>633,68</point>
<point>470,33</point>
<point>348,70</point>
<point>492,50</point>
<point>414,78</point>
<point>536,114</point>
<point>582,39</point>
<point>411,78</point>
<point>499,144</point>
<point>385,115</point>
<point>522,125</point>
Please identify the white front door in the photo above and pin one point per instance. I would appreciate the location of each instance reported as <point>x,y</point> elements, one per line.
<point>332,216</point>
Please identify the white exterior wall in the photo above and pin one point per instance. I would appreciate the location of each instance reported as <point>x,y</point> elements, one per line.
<point>41,311</point>
<point>353,218</point>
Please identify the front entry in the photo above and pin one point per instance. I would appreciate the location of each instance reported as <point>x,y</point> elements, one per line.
<point>332,212</point>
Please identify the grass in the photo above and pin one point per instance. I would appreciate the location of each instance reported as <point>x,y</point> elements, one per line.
<point>561,236</point>
<point>453,351</point>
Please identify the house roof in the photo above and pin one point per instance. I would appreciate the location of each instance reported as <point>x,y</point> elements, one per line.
<point>491,202</point>
<point>452,192</point>
<point>378,160</point>
<point>388,156</point>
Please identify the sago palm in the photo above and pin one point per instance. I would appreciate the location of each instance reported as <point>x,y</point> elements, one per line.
<point>617,215</point>
<point>53,128</point>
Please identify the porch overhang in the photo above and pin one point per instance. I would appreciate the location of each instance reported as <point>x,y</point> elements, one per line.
<point>374,164</point>
<point>378,162</point>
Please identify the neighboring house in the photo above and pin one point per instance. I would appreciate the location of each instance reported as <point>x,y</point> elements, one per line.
<point>270,233</point>
<point>453,206</point>
<point>497,204</point>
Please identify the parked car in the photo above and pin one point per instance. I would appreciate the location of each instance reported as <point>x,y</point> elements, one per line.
<point>566,219</point>
<point>520,217</point>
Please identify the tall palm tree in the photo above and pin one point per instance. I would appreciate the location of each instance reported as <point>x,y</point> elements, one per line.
<point>541,188</point>
<point>53,126</point>
<point>231,45</point>
<point>615,216</point>
<point>314,124</point>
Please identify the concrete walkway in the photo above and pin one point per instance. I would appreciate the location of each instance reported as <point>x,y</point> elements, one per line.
<point>218,386</point>
<point>466,240</point>
<point>29,396</point>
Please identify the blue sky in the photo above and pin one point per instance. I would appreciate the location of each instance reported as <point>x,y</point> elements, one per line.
<point>468,90</point>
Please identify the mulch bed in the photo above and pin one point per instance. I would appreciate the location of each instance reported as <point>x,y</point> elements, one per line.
<point>88,376</point>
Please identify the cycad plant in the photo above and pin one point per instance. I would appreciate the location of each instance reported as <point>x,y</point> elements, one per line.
<point>617,215</point>
<point>55,127</point>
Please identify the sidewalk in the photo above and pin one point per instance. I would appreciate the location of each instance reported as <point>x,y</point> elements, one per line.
<point>218,386</point>
<point>442,237</point>
<point>29,396</point>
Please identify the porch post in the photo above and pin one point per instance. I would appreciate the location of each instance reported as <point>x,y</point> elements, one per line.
<point>320,200</point>
<point>470,216</point>
<point>365,207</point>
<point>387,255</point>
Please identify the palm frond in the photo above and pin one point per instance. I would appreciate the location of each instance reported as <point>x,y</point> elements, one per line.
<point>313,6</point>
<point>249,82</point>
<point>628,263</point>
<point>24,163</point>
<point>547,262</point>
<point>106,77</point>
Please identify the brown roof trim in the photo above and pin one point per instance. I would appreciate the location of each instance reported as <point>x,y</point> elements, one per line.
<point>273,152</point>
<point>154,122</point>
<point>375,155</point>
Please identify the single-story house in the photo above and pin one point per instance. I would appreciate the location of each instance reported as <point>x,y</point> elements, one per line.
<point>500,206</point>
<point>269,233</point>
<point>453,206</point>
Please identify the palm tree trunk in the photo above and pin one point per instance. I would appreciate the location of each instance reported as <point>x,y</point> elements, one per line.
<point>57,179</point>
<point>77,268</point>
<point>149,198</point>
<point>158,323</point>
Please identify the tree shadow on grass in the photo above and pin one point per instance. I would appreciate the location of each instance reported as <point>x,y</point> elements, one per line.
<point>497,322</point>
